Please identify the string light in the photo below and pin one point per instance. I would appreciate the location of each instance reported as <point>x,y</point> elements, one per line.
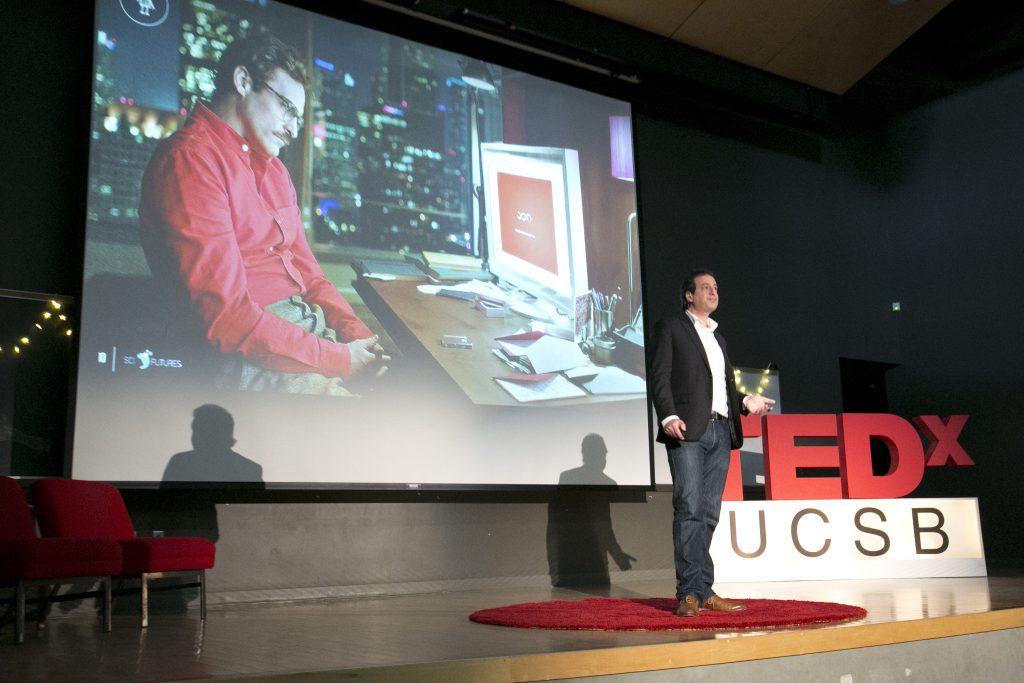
<point>762,384</point>
<point>47,321</point>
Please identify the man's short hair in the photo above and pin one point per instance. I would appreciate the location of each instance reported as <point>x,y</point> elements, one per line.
<point>690,285</point>
<point>260,55</point>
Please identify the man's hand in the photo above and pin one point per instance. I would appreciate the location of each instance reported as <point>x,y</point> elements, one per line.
<point>364,353</point>
<point>759,405</point>
<point>676,429</point>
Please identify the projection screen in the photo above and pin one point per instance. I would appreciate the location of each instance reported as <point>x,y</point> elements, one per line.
<point>227,277</point>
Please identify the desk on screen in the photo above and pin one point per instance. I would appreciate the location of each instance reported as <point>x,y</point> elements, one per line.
<point>416,322</point>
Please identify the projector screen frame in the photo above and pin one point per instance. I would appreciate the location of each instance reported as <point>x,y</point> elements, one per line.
<point>402,29</point>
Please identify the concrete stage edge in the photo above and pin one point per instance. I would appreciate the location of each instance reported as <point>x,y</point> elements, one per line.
<point>916,629</point>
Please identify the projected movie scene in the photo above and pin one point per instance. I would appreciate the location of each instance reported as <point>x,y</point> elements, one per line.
<point>327,232</point>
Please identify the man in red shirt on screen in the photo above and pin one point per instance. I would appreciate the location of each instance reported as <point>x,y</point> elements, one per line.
<point>219,215</point>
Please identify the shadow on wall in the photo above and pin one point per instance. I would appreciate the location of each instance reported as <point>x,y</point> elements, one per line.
<point>211,458</point>
<point>188,477</point>
<point>579,535</point>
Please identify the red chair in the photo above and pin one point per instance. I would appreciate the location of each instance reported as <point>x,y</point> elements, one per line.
<point>72,508</point>
<point>27,560</point>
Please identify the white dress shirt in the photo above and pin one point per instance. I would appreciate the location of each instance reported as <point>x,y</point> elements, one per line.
<point>716,360</point>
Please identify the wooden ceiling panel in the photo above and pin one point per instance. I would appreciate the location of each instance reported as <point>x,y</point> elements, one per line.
<point>751,32</point>
<point>662,17</point>
<point>848,39</point>
<point>828,44</point>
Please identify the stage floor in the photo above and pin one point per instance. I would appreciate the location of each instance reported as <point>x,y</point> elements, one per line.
<point>429,637</point>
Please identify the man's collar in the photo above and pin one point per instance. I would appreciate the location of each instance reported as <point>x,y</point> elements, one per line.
<point>712,323</point>
<point>228,135</point>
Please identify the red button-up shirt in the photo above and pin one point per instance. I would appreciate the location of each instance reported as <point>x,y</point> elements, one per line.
<point>224,219</point>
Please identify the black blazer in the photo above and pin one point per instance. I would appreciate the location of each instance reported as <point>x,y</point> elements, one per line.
<point>680,380</point>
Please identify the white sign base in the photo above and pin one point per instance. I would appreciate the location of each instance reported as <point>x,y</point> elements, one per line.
<point>797,540</point>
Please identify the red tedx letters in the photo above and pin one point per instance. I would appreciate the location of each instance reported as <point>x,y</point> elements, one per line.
<point>797,470</point>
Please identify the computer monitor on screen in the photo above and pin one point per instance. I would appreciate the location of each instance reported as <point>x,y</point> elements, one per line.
<point>535,232</point>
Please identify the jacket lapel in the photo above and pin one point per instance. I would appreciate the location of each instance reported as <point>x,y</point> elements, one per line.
<point>691,333</point>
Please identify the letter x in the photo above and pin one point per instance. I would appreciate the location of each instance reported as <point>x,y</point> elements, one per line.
<point>943,434</point>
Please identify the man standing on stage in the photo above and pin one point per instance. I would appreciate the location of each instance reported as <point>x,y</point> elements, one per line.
<point>219,215</point>
<point>698,408</point>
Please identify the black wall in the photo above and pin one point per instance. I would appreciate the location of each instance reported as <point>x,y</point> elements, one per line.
<point>957,209</point>
<point>812,233</point>
<point>46,65</point>
<point>811,251</point>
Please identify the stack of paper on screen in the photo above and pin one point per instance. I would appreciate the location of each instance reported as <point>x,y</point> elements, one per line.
<point>613,380</point>
<point>539,387</point>
<point>544,352</point>
<point>542,357</point>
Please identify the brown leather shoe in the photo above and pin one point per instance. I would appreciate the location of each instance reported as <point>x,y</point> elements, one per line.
<point>688,607</point>
<point>719,604</point>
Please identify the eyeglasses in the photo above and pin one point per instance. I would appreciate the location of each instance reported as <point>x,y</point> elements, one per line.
<point>291,112</point>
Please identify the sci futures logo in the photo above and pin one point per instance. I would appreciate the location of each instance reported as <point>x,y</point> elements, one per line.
<point>145,360</point>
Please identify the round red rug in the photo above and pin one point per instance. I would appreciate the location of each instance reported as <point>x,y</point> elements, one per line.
<point>658,614</point>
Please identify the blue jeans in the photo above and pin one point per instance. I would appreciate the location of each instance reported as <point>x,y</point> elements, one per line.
<point>699,469</point>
